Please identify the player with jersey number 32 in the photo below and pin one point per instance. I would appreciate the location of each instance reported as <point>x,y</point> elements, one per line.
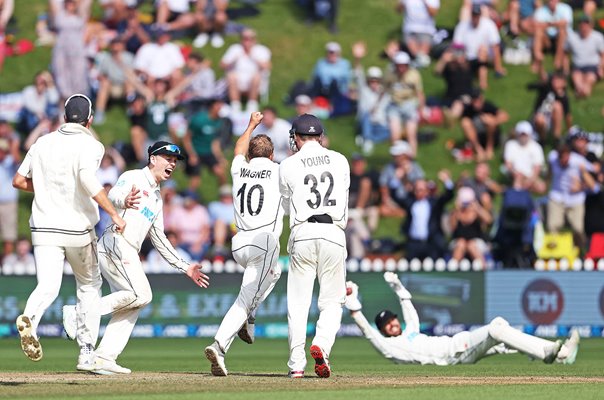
<point>315,181</point>
<point>259,219</point>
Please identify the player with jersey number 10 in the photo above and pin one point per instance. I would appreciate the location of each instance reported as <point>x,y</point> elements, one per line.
<point>259,209</point>
<point>315,181</point>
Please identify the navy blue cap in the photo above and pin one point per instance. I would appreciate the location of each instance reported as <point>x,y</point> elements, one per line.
<point>307,124</point>
<point>78,108</point>
<point>383,318</point>
<point>165,148</point>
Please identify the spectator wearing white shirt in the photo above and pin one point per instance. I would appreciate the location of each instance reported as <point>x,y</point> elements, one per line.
<point>160,59</point>
<point>22,261</point>
<point>246,64</point>
<point>275,128</point>
<point>586,47</point>
<point>419,27</point>
<point>40,102</point>
<point>553,20</point>
<point>567,195</point>
<point>523,156</point>
<point>481,40</point>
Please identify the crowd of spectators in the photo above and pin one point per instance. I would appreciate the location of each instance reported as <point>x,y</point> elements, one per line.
<point>173,93</point>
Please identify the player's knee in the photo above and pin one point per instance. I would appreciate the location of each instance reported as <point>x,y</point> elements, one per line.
<point>496,327</point>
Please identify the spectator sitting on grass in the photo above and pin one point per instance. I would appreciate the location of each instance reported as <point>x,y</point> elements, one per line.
<point>481,124</point>
<point>457,73</point>
<point>419,27</point>
<point>523,155</point>
<point>481,39</point>
<point>246,64</point>
<point>40,102</point>
<point>372,101</point>
<point>587,56</point>
<point>397,179</point>
<point>552,107</point>
<point>405,87</point>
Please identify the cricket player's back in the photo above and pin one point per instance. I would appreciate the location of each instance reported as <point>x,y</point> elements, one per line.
<point>55,162</point>
<point>316,180</point>
<point>259,206</point>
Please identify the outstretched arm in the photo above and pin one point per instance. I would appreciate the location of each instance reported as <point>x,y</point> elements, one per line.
<point>242,144</point>
<point>409,313</point>
<point>353,304</point>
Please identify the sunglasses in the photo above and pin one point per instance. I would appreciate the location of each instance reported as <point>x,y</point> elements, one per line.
<point>172,148</point>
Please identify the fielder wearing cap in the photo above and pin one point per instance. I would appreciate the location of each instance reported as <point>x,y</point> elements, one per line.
<point>136,196</point>
<point>60,169</point>
<point>314,182</point>
<point>410,346</point>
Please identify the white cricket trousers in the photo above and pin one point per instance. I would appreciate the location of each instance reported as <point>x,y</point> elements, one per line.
<point>49,273</point>
<point>317,250</point>
<point>479,341</point>
<point>258,253</point>
<point>130,291</point>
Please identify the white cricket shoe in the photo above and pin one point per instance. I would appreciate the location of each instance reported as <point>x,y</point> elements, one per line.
<point>70,322</point>
<point>86,362</point>
<point>201,40</point>
<point>29,342</point>
<point>246,333</point>
<point>104,366</point>
<point>572,348</point>
<point>215,356</point>
<point>552,352</point>
<point>217,41</point>
<point>296,374</point>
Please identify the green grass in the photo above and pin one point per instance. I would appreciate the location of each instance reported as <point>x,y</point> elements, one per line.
<point>295,49</point>
<point>175,368</point>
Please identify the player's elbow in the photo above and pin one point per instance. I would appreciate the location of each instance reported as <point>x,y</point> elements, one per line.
<point>19,182</point>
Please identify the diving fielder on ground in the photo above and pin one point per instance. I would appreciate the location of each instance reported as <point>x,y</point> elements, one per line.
<point>409,346</point>
<point>259,210</point>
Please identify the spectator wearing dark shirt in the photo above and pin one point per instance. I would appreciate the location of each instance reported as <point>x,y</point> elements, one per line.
<point>457,73</point>
<point>132,31</point>
<point>425,237</point>
<point>552,107</point>
<point>594,201</point>
<point>481,122</point>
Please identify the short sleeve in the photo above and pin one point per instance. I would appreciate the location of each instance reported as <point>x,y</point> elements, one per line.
<point>231,54</point>
<point>25,167</point>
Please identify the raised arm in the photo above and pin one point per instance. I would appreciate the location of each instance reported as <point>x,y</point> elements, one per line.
<point>353,304</point>
<point>409,313</point>
<point>242,144</point>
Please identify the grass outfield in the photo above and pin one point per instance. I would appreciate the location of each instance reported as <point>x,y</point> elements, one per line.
<point>175,368</point>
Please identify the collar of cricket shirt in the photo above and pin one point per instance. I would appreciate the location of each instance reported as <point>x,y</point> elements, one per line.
<point>150,178</point>
<point>71,128</point>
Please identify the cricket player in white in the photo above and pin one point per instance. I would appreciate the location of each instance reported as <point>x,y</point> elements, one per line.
<point>315,181</point>
<point>409,346</point>
<point>60,170</point>
<point>136,195</point>
<point>259,209</point>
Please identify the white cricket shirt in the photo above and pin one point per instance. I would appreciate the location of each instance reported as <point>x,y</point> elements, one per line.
<point>258,203</point>
<point>63,212</point>
<point>316,181</point>
<point>148,218</point>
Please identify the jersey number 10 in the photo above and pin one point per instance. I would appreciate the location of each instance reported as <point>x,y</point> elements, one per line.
<point>248,199</point>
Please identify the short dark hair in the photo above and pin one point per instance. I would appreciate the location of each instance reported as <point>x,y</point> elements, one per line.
<point>260,146</point>
<point>196,56</point>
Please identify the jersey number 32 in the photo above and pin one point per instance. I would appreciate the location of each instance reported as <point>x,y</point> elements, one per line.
<point>318,198</point>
